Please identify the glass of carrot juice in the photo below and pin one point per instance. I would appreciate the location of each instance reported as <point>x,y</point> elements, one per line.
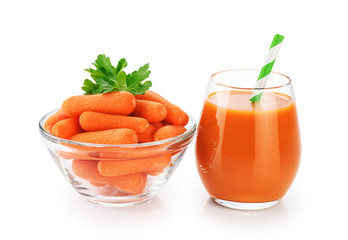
<point>248,153</point>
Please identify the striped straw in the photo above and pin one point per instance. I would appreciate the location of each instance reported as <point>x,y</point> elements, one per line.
<point>267,67</point>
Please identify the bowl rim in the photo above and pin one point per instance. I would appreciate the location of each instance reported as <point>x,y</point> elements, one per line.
<point>182,137</point>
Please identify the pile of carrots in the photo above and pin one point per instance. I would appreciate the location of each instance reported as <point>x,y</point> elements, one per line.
<point>118,118</point>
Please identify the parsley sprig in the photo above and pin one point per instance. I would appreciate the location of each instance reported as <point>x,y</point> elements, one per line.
<point>111,79</point>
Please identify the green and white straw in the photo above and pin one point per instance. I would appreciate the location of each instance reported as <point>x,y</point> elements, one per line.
<point>267,68</point>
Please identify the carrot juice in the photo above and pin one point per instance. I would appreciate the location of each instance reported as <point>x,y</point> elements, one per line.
<point>248,152</point>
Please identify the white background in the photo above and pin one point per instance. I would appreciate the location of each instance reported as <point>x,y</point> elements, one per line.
<point>45,45</point>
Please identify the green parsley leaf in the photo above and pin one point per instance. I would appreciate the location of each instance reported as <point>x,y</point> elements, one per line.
<point>135,78</point>
<point>141,88</point>
<point>111,79</point>
<point>121,65</point>
<point>88,86</point>
<point>121,80</point>
<point>103,65</point>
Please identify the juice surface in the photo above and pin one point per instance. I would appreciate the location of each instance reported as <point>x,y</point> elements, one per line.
<point>248,152</point>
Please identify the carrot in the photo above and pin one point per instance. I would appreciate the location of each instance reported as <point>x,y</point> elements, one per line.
<point>175,115</point>
<point>154,173</point>
<point>66,128</point>
<point>158,125</point>
<point>147,135</point>
<point>168,132</point>
<point>88,170</point>
<point>96,184</point>
<point>151,111</point>
<point>112,136</point>
<point>84,154</point>
<point>123,167</point>
<point>93,121</point>
<point>122,103</point>
<point>165,123</point>
<point>53,119</point>
<point>119,153</point>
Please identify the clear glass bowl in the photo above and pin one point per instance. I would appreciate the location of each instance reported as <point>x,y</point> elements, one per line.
<point>65,152</point>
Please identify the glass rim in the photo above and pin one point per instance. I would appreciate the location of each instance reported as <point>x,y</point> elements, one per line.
<point>253,88</point>
<point>180,138</point>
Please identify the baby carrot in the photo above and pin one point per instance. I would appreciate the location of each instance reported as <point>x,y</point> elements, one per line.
<point>96,184</point>
<point>112,136</point>
<point>168,132</point>
<point>165,123</point>
<point>66,128</point>
<point>93,121</point>
<point>124,167</point>
<point>53,119</point>
<point>120,153</point>
<point>70,155</point>
<point>88,170</point>
<point>151,111</point>
<point>158,125</point>
<point>154,173</point>
<point>122,103</point>
<point>147,135</point>
<point>175,115</point>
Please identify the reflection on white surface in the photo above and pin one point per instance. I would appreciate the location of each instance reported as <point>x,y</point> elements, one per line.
<point>151,209</point>
<point>276,215</point>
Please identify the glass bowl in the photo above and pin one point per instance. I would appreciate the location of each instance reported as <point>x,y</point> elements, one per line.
<point>79,164</point>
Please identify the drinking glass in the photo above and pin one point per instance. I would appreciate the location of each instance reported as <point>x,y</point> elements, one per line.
<point>248,153</point>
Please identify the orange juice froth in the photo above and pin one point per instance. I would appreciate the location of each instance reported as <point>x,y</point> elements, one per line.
<point>248,152</point>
